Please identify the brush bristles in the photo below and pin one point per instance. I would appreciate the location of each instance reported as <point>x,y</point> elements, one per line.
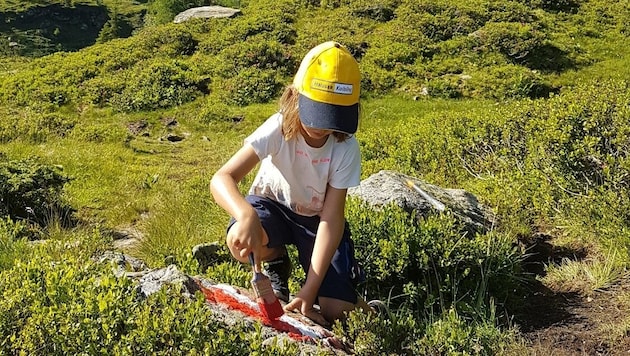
<point>271,310</point>
<point>267,301</point>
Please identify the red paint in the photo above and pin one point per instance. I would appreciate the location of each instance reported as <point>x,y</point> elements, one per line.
<point>218,296</point>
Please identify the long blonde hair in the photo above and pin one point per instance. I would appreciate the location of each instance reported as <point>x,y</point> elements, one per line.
<point>291,125</point>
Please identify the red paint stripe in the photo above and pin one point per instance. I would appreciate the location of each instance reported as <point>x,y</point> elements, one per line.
<point>215,295</point>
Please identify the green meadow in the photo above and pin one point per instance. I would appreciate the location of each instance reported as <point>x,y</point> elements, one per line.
<point>525,104</point>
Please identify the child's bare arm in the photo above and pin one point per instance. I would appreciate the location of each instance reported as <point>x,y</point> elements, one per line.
<point>224,188</point>
<point>329,234</point>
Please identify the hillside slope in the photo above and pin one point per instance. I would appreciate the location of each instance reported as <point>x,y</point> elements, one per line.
<point>524,104</point>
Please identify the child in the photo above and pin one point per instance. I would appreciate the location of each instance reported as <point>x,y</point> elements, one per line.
<point>308,160</point>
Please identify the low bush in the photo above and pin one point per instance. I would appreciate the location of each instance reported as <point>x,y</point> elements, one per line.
<point>257,53</point>
<point>13,241</point>
<point>431,265</point>
<point>32,192</point>
<point>169,40</point>
<point>505,82</point>
<point>157,85</point>
<point>250,86</point>
<point>79,306</point>
<point>524,44</point>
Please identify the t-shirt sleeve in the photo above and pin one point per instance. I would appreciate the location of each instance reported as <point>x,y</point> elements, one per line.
<point>347,172</point>
<point>267,138</point>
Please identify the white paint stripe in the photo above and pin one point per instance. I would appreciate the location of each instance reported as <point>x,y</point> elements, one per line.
<point>434,202</point>
<point>304,329</point>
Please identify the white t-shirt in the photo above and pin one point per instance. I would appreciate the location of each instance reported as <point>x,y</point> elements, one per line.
<point>296,174</point>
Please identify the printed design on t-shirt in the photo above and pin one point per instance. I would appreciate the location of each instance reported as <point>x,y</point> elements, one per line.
<point>316,202</point>
<point>260,188</point>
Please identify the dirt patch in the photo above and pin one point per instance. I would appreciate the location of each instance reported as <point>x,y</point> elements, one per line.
<point>572,324</point>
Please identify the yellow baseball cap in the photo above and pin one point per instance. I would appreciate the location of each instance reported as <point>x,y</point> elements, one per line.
<point>328,82</point>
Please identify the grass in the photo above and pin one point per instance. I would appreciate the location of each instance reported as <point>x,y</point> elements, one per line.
<point>586,276</point>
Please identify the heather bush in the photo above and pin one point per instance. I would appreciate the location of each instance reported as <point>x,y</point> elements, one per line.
<point>431,265</point>
<point>505,82</point>
<point>13,241</point>
<point>85,308</point>
<point>250,86</point>
<point>32,191</point>
<point>169,40</point>
<point>156,85</point>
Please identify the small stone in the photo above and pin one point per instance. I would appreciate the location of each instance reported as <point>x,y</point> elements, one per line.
<point>206,254</point>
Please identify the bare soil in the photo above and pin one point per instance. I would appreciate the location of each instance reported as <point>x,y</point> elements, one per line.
<point>569,323</point>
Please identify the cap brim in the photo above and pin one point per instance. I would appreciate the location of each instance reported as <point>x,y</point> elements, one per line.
<point>328,116</point>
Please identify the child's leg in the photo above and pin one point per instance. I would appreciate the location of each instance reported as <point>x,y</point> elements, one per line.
<point>337,292</point>
<point>333,309</point>
<point>276,233</point>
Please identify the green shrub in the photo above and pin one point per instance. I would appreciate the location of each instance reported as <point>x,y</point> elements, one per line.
<point>430,265</point>
<point>569,6</point>
<point>159,84</point>
<point>442,20</point>
<point>256,54</point>
<point>272,21</point>
<point>389,65</point>
<point>99,91</point>
<point>372,335</point>
<point>504,82</point>
<point>32,191</point>
<point>170,40</point>
<point>250,86</point>
<point>13,245</point>
<point>381,11</point>
<point>337,25</point>
<point>451,334</point>
<point>86,309</point>
<point>447,333</point>
<point>449,86</point>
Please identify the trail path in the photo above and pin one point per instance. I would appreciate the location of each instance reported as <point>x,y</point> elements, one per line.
<point>570,324</point>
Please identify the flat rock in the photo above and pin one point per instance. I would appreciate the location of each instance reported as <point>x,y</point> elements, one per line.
<point>206,12</point>
<point>421,198</point>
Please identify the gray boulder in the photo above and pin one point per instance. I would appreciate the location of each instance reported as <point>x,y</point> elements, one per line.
<point>423,199</point>
<point>206,12</point>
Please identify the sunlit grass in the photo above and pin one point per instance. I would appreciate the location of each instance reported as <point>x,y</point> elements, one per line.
<point>588,275</point>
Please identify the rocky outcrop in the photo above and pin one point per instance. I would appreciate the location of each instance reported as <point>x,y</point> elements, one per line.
<point>229,304</point>
<point>206,12</point>
<point>42,30</point>
<point>422,199</point>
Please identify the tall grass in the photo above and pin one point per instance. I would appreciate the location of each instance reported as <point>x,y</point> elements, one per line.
<point>596,273</point>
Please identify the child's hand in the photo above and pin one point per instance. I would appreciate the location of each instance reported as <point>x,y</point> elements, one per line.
<point>246,236</point>
<point>300,305</point>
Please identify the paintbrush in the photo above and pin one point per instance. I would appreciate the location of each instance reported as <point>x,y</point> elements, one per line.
<point>267,301</point>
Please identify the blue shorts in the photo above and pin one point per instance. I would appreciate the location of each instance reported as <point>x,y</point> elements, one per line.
<point>284,227</point>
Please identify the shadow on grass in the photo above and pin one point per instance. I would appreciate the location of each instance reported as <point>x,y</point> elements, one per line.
<point>539,252</point>
<point>540,307</point>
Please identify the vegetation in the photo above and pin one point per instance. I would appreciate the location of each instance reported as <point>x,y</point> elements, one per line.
<point>522,103</point>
